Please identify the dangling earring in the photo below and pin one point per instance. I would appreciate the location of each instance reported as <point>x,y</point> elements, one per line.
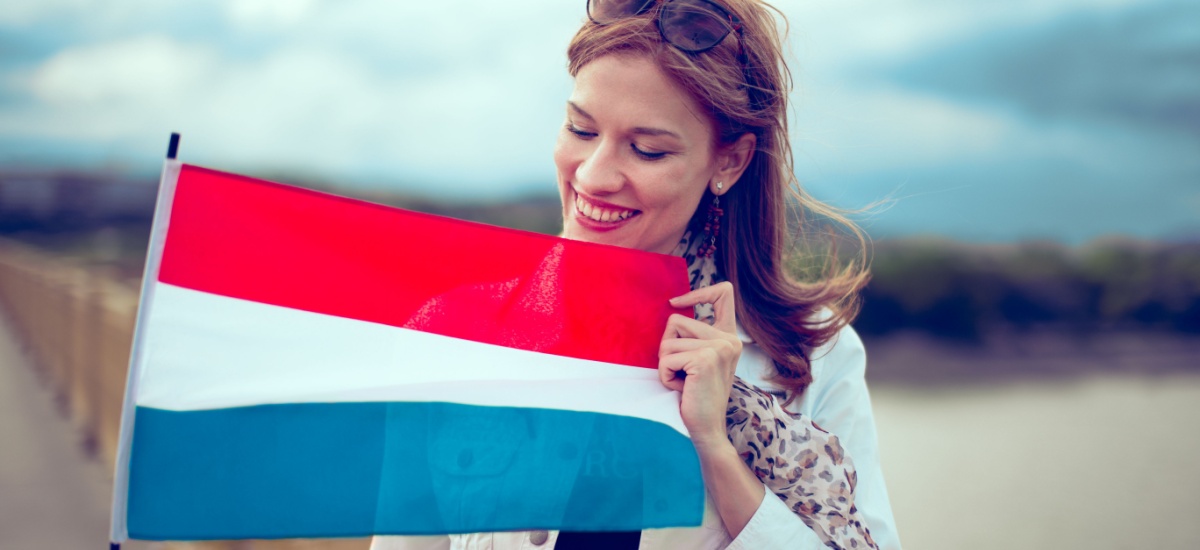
<point>712,225</point>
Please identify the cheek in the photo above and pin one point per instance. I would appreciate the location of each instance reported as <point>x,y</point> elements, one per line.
<point>565,157</point>
<point>562,172</point>
<point>674,192</point>
<point>568,154</point>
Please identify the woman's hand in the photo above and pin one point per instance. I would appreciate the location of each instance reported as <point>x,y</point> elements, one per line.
<point>699,361</point>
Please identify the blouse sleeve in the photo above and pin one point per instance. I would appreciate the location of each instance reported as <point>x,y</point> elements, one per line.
<point>431,542</point>
<point>802,466</point>
<point>838,401</point>
<point>772,526</point>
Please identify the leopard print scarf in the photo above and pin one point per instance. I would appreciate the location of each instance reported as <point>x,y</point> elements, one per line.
<point>802,464</point>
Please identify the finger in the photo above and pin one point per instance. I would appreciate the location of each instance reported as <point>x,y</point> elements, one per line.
<point>674,369</point>
<point>721,296</point>
<point>679,345</point>
<point>707,295</point>
<point>681,326</point>
<point>671,372</point>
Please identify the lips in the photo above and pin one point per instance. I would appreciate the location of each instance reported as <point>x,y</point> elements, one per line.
<point>602,213</point>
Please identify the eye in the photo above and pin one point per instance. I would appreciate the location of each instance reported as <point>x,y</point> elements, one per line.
<point>648,155</point>
<point>579,133</point>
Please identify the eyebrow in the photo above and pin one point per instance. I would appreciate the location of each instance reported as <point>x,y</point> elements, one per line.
<point>640,130</point>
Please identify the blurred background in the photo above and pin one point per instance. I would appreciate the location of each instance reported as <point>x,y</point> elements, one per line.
<point>1030,169</point>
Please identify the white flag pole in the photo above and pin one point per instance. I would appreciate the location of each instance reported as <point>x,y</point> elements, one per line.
<point>119,531</point>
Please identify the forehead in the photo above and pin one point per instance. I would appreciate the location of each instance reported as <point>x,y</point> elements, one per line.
<point>630,90</point>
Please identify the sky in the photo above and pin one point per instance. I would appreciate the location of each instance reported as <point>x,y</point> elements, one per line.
<point>1068,120</point>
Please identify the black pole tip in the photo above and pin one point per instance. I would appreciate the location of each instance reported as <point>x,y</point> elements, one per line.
<point>173,147</point>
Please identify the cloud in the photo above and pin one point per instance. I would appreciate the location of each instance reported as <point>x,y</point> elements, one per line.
<point>256,14</point>
<point>316,109</point>
<point>833,37</point>
<point>1141,67</point>
<point>365,90</point>
<point>71,19</point>
<point>145,69</point>
<point>1066,119</point>
<point>24,12</point>
<point>886,127</point>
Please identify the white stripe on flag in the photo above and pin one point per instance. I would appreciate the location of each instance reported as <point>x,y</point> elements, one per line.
<point>207,351</point>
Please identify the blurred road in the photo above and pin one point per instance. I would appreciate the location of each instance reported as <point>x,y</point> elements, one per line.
<point>51,496</point>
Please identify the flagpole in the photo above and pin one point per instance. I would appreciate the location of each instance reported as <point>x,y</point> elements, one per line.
<point>173,146</point>
<point>119,531</point>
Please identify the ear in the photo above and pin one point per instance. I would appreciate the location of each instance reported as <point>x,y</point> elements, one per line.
<point>732,160</point>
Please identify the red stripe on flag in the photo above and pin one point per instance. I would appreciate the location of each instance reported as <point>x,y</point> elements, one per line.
<point>281,245</point>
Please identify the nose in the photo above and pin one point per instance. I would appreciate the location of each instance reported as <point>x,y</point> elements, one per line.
<point>600,173</point>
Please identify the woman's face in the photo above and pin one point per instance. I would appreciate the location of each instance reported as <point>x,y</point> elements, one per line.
<point>634,156</point>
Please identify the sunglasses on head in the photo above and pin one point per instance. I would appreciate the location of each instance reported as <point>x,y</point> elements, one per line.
<point>693,26</point>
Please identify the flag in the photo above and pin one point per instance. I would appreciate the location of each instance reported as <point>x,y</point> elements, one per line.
<point>307,365</point>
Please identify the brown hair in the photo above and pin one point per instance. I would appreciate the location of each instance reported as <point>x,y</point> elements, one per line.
<point>783,315</point>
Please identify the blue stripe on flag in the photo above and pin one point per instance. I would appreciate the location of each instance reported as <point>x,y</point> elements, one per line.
<point>354,469</point>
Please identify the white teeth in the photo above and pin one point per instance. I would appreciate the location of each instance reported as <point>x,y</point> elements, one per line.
<point>599,214</point>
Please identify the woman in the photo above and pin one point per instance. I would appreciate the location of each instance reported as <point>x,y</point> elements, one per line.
<point>676,142</point>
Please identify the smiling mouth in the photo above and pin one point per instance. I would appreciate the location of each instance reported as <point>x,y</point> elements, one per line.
<point>602,214</point>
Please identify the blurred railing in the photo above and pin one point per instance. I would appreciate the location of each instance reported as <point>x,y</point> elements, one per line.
<point>78,323</point>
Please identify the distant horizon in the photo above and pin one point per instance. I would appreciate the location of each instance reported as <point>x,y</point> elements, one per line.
<point>878,227</point>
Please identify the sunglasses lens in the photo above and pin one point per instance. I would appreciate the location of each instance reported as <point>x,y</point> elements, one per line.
<point>693,25</point>
<point>607,11</point>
